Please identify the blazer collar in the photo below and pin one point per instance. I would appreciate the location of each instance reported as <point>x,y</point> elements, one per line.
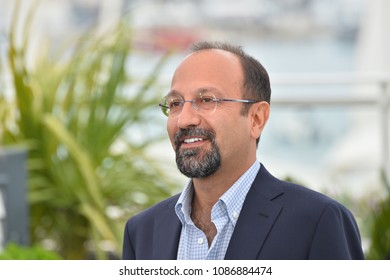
<point>167,229</point>
<point>257,217</point>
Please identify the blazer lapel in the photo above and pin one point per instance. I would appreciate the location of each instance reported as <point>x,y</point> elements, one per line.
<point>166,234</point>
<point>256,219</point>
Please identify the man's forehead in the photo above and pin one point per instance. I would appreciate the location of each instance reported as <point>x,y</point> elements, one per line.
<point>214,60</point>
<point>215,53</point>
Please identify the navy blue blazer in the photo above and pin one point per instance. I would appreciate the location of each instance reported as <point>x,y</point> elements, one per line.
<point>278,221</point>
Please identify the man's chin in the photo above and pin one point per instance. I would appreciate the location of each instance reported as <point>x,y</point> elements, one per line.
<point>190,153</point>
<point>192,167</point>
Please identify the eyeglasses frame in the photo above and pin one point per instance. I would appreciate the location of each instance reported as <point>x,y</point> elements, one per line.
<point>215,99</point>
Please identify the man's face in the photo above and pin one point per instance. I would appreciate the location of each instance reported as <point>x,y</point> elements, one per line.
<point>206,143</point>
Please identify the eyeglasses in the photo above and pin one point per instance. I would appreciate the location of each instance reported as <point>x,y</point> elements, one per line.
<point>172,105</point>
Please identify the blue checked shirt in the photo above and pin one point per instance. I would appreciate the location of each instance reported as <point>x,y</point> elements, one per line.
<point>193,243</point>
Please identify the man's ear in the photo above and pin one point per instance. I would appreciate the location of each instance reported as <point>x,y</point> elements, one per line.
<point>259,117</point>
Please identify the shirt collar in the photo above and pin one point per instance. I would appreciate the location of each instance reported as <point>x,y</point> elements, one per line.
<point>183,205</point>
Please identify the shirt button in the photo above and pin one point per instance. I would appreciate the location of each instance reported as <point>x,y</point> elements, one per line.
<point>200,240</point>
<point>235,215</point>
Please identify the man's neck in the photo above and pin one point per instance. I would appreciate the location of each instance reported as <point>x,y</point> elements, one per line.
<point>201,217</point>
<point>208,190</point>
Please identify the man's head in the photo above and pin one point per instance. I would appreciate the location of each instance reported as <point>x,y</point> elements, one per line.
<point>256,84</point>
<point>209,129</point>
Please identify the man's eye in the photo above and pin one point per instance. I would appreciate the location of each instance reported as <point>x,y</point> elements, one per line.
<point>175,103</point>
<point>206,99</point>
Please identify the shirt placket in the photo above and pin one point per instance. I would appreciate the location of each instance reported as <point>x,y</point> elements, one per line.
<point>220,220</point>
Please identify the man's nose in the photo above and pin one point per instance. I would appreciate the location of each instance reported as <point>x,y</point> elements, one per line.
<point>189,115</point>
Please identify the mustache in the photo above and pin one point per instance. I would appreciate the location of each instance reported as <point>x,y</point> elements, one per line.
<point>193,132</point>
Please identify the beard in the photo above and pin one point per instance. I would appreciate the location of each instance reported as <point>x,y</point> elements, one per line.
<point>197,162</point>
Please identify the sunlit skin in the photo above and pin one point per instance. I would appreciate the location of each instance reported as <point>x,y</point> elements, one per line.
<point>220,72</point>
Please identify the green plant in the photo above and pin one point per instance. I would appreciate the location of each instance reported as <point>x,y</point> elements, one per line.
<point>380,229</point>
<point>16,252</point>
<point>75,115</point>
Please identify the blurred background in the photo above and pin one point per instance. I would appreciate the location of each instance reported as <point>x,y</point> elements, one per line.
<point>79,86</point>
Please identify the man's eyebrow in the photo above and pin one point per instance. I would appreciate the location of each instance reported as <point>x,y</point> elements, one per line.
<point>198,90</point>
<point>173,92</point>
<point>209,89</point>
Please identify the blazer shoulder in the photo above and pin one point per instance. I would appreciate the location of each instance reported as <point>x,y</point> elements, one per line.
<point>145,234</point>
<point>294,195</point>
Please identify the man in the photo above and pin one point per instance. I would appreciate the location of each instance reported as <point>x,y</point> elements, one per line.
<point>232,208</point>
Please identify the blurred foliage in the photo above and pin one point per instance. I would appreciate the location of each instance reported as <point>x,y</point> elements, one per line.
<point>380,229</point>
<point>16,252</point>
<point>372,214</point>
<point>76,114</point>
